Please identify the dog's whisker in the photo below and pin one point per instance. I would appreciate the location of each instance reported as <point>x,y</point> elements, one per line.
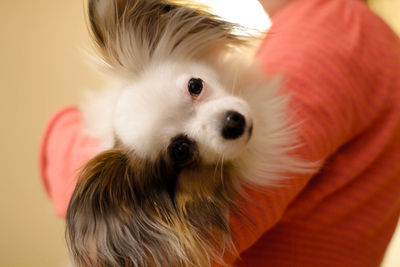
<point>216,167</point>
<point>235,77</point>
<point>222,170</point>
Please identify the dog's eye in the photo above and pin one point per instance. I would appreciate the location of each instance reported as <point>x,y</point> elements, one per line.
<point>182,151</point>
<point>195,86</point>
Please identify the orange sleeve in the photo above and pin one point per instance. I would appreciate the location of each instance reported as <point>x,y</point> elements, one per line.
<point>330,72</point>
<point>65,148</point>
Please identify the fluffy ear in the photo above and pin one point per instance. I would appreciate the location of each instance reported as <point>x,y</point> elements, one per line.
<point>123,213</point>
<point>132,33</point>
<point>111,223</point>
<point>101,17</point>
<point>93,232</point>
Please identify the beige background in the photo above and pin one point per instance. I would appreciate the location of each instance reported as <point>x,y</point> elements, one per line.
<point>41,70</point>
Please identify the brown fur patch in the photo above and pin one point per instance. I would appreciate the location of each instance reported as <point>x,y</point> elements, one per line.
<point>132,33</point>
<point>122,214</point>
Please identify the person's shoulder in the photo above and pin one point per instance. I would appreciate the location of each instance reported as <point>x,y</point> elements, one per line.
<point>343,15</point>
<point>341,33</point>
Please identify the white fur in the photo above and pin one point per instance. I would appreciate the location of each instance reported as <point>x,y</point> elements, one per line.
<point>148,111</point>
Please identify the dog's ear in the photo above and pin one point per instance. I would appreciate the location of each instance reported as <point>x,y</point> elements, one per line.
<point>123,213</point>
<point>114,219</point>
<point>104,17</point>
<point>97,10</point>
<point>132,33</point>
<point>93,231</point>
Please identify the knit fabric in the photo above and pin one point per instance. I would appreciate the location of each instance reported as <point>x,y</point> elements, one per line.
<point>341,65</point>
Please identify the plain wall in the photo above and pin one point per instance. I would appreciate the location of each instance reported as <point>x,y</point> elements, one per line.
<point>42,68</point>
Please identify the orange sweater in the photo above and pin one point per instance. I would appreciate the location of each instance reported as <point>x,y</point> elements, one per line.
<point>342,67</point>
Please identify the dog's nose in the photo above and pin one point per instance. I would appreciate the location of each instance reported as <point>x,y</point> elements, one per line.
<point>233,126</point>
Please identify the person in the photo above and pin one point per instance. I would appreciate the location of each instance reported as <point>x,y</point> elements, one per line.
<point>341,67</point>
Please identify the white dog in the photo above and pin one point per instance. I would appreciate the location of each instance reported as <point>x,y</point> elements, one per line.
<point>189,121</point>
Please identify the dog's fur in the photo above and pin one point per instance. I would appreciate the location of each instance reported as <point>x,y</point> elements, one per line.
<point>134,205</point>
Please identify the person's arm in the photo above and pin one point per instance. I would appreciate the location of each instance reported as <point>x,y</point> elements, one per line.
<point>65,148</point>
<point>327,64</point>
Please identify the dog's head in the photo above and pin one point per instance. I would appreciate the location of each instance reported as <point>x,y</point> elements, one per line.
<point>160,196</point>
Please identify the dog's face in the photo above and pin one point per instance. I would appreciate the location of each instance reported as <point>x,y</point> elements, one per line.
<point>180,115</point>
<point>183,110</point>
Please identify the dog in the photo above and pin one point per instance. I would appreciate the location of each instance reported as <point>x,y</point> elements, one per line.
<point>189,120</point>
